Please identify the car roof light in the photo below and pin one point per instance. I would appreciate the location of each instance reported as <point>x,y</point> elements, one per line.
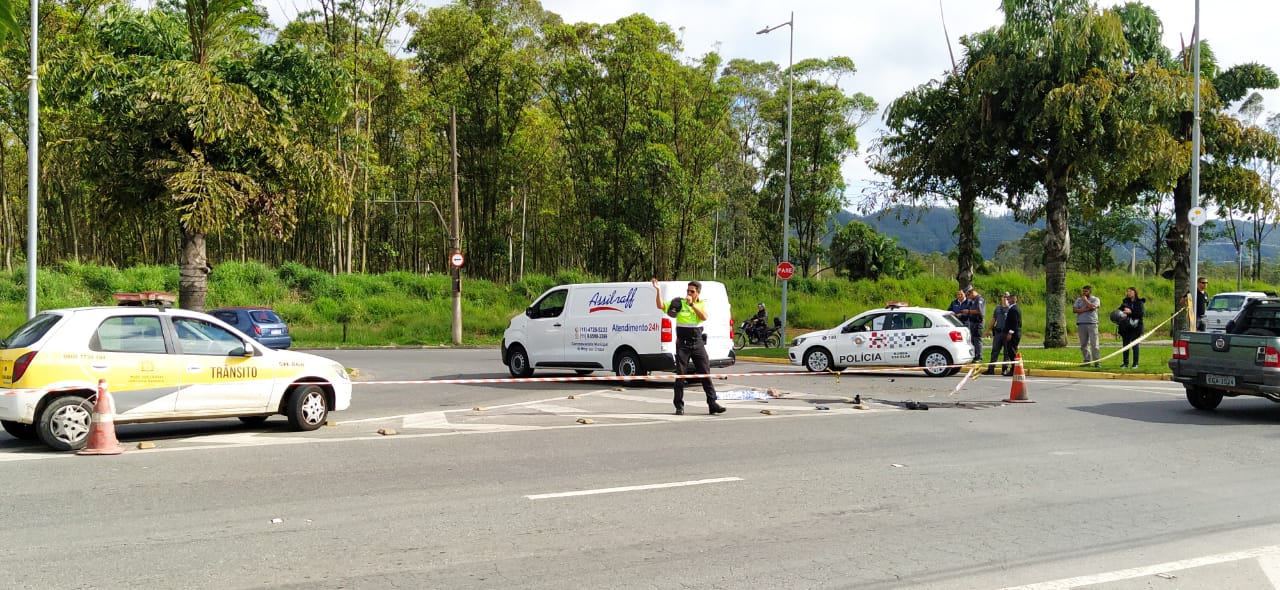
<point>896,304</point>
<point>145,298</point>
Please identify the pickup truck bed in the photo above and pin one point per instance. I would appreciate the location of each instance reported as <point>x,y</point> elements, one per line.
<point>1243,361</point>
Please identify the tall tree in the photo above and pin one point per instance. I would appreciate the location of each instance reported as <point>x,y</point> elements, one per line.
<point>1062,94</point>
<point>825,121</point>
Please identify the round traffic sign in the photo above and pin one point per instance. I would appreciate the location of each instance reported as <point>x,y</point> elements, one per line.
<point>456,260</point>
<point>785,270</point>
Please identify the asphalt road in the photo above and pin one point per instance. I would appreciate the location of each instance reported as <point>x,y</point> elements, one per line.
<point>1098,484</point>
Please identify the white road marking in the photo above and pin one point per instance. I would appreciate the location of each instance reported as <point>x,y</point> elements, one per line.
<point>1268,553</point>
<point>1270,565</point>
<point>652,486</point>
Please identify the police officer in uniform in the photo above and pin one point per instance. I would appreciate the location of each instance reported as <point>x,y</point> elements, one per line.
<point>972,312</point>
<point>691,351</point>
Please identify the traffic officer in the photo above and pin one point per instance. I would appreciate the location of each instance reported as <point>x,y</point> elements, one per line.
<point>998,333</point>
<point>691,351</point>
<point>972,312</point>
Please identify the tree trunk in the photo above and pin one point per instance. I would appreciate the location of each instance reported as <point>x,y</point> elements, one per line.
<point>193,271</point>
<point>1179,241</point>
<point>1057,251</point>
<point>964,242</point>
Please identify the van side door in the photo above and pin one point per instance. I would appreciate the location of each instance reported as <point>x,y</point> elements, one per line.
<point>547,328</point>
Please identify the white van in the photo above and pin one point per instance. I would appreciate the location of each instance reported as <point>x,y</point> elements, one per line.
<point>1223,308</point>
<point>611,326</point>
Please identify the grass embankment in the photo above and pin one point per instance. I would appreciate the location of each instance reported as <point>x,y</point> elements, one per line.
<point>406,309</point>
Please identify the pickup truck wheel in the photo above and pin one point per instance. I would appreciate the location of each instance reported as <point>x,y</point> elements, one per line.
<point>1203,398</point>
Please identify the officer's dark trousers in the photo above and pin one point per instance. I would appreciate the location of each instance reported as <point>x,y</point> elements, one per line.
<point>997,347</point>
<point>691,357</point>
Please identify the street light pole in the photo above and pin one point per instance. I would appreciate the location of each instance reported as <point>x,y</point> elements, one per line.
<point>786,189</point>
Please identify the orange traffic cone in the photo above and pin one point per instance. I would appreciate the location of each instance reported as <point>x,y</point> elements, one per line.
<point>102,431</point>
<point>1018,389</point>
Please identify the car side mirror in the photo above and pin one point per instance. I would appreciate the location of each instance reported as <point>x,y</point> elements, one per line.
<point>531,313</point>
<point>245,350</point>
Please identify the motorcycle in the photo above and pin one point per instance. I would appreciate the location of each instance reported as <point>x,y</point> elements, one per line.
<point>770,337</point>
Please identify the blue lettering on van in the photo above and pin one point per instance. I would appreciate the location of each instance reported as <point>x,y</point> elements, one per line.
<point>610,302</point>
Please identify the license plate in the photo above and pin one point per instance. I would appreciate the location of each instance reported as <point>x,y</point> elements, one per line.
<point>274,332</point>
<point>1228,380</point>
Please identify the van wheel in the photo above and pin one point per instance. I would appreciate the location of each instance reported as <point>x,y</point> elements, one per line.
<point>64,423</point>
<point>936,362</point>
<point>627,364</point>
<point>817,360</point>
<point>1203,398</point>
<point>518,362</point>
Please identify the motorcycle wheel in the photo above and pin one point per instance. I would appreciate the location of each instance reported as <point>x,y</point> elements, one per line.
<point>774,340</point>
<point>739,341</point>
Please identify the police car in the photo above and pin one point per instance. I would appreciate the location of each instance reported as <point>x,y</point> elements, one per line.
<point>897,335</point>
<point>159,364</point>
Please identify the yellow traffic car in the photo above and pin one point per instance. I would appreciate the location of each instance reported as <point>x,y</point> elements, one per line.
<point>159,364</point>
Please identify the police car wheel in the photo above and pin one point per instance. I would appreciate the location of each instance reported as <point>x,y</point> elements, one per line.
<point>936,362</point>
<point>64,423</point>
<point>518,362</point>
<point>817,360</point>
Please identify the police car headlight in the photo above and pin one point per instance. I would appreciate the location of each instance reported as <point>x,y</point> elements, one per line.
<point>797,341</point>
<point>340,371</point>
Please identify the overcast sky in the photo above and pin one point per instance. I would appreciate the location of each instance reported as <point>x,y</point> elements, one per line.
<point>896,44</point>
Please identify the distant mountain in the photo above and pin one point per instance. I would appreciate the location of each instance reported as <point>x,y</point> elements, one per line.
<point>929,230</point>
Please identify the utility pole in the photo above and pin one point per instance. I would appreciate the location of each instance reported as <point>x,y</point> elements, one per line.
<point>457,228</point>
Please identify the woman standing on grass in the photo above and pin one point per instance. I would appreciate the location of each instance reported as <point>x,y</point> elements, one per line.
<point>1131,327</point>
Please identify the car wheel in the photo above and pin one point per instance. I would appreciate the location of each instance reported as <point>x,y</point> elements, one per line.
<point>627,364</point>
<point>773,341</point>
<point>64,423</point>
<point>307,408</point>
<point>1203,398</point>
<point>19,430</point>
<point>936,362</point>
<point>518,362</point>
<point>817,360</point>
<point>739,341</point>
<point>253,420</point>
